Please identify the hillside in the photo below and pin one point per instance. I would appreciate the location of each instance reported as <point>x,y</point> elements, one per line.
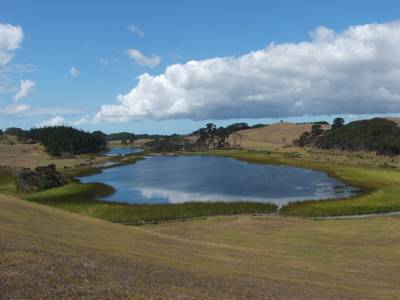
<point>394,119</point>
<point>376,135</point>
<point>49,253</point>
<point>282,133</point>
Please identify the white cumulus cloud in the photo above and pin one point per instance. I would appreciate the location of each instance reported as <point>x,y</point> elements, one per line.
<point>14,109</point>
<point>136,30</point>
<point>25,88</point>
<point>10,39</point>
<point>74,72</point>
<point>356,71</point>
<point>141,59</point>
<point>55,121</point>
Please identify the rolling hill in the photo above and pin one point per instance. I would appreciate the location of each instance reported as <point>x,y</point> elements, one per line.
<point>282,134</point>
<point>50,253</point>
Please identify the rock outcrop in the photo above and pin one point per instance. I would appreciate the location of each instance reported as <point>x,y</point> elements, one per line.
<point>42,178</point>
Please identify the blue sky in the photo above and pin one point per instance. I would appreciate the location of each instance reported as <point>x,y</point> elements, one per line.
<point>75,52</point>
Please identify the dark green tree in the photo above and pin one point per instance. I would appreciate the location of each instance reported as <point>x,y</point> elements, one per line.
<point>338,123</point>
<point>222,135</point>
<point>211,128</point>
<point>211,131</point>
<point>304,139</point>
<point>316,130</point>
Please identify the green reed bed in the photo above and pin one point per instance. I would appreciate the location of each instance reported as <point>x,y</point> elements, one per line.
<point>83,199</point>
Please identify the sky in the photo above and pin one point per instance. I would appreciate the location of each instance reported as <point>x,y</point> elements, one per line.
<point>172,66</point>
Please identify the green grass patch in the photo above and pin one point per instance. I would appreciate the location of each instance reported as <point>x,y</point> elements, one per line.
<point>383,200</point>
<point>82,198</point>
<point>6,181</point>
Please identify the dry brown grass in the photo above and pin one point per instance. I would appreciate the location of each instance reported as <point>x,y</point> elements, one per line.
<point>394,119</point>
<point>14,154</point>
<point>312,154</point>
<point>277,134</point>
<point>49,253</point>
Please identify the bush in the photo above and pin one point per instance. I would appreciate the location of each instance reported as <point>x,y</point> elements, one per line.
<point>42,178</point>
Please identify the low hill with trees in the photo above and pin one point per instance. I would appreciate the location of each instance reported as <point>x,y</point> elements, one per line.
<point>377,135</point>
<point>208,137</point>
<point>59,140</point>
<point>13,131</point>
<point>125,137</point>
<point>282,133</point>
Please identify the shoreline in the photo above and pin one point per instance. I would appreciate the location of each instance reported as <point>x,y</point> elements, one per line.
<point>365,190</point>
<point>368,188</point>
<point>314,209</point>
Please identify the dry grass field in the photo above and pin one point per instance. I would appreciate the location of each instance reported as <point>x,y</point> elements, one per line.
<point>50,253</point>
<point>282,134</point>
<point>47,252</point>
<point>279,137</point>
<point>18,155</point>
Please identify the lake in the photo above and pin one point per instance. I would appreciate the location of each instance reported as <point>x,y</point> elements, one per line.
<point>177,179</point>
<point>116,151</point>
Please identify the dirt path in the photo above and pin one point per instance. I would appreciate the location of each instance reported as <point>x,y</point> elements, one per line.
<point>364,216</point>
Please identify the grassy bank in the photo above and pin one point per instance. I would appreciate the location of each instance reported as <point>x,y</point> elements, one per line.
<point>380,187</point>
<point>81,198</point>
<point>6,180</point>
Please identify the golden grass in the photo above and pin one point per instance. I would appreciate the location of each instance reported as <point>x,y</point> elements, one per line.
<point>282,133</point>
<point>51,253</point>
<point>15,155</point>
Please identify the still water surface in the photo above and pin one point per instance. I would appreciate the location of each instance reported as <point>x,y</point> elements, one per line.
<point>176,179</point>
<point>116,151</point>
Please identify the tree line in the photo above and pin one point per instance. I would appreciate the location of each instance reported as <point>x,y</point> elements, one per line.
<point>218,138</point>
<point>59,140</point>
<point>377,135</point>
<point>208,137</point>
